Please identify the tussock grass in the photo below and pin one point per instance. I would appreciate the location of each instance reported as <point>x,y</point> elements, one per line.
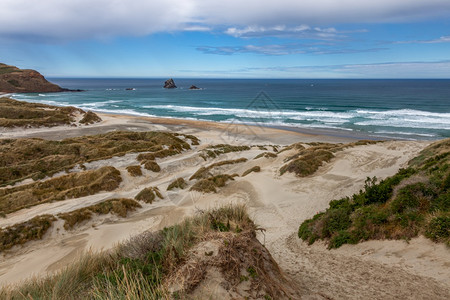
<point>204,172</point>
<point>90,118</point>
<point>266,155</point>
<point>253,169</point>
<point>37,158</point>
<point>136,269</point>
<point>152,165</point>
<point>119,207</point>
<point>178,183</point>
<point>149,194</point>
<point>60,188</point>
<point>134,171</point>
<point>18,234</point>
<point>412,202</point>
<point>210,184</point>
<point>15,113</point>
<point>216,150</point>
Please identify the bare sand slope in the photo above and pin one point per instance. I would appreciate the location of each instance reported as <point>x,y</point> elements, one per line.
<point>371,270</point>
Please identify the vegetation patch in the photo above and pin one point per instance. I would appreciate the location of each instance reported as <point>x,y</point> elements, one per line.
<point>394,208</point>
<point>216,150</point>
<point>142,267</point>
<point>152,165</point>
<point>210,184</point>
<point>253,169</point>
<point>60,188</point>
<point>266,155</point>
<point>24,114</point>
<point>37,158</point>
<point>119,207</point>
<point>149,194</point>
<point>178,183</point>
<point>204,172</point>
<point>134,171</point>
<point>90,118</point>
<point>18,234</point>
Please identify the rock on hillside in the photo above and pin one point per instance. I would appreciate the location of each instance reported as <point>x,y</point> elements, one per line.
<point>15,80</point>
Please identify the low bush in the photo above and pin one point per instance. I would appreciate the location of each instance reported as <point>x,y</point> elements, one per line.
<point>393,208</point>
<point>210,184</point>
<point>151,165</point>
<point>204,172</point>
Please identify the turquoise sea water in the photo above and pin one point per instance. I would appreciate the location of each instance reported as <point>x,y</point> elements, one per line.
<point>407,109</point>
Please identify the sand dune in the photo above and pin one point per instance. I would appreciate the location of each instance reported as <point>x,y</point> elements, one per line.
<point>376,269</point>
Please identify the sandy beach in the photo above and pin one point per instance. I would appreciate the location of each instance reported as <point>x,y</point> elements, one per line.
<point>419,269</point>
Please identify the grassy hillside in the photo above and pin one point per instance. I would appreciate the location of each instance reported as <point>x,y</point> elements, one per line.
<point>15,113</point>
<point>414,201</point>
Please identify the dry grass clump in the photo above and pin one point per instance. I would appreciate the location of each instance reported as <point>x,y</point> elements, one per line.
<point>23,114</point>
<point>90,118</point>
<point>412,202</point>
<point>37,158</point>
<point>134,171</point>
<point>119,207</point>
<point>266,155</point>
<point>149,194</point>
<point>19,234</point>
<point>204,172</point>
<point>152,165</point>
<point>216,150</point>
<point>210,184</point>
<point>253,169</point>
<point>308,162</point>
<point>142,267</point>
<point>60,188</point>
<point>179,183</point>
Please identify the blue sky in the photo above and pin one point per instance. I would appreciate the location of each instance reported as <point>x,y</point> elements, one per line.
<point>228,39</point>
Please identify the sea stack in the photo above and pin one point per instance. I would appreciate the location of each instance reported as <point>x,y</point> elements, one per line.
<point>169,84</point>
<point>15,80</point>
<point>193,87</point>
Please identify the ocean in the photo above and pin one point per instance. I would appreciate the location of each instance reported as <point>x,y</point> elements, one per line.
<point>384,109</point>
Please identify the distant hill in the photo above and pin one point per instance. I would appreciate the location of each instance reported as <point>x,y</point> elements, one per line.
<point>15,80</point>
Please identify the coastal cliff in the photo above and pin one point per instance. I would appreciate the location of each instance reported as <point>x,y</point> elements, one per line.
<point>15,80</point>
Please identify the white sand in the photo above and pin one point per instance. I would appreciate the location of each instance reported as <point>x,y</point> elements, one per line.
<point>370,270</point>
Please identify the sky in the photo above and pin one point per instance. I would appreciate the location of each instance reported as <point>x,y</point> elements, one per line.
<point>228,39</point>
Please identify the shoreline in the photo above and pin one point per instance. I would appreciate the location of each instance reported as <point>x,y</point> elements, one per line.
<point>326,133</point>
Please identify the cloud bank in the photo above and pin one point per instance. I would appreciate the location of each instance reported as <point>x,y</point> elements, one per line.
<point>83,19</point>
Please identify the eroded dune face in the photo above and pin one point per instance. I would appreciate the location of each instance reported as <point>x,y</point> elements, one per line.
<point>276,201</point>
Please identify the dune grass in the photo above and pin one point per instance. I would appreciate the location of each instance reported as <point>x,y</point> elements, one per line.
<point>266,155</point>
<point>37,158</point>
<point>204,172</point>
<point>60,188</point>
<point>149,194</point>
<point>412,202</point>
<point>15,113</point>
<point>18,234</point>
<point>119,207</point>
<point>216,150</point>
<point>134,171</point>
<point>253,169</point>
<point>178,183</point>
<point>210,184</point>
<point>137,268</point>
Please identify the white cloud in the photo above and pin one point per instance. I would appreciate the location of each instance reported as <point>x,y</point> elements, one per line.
<point>442,39</point>
<point>74,19</point>
<point>299,32</point>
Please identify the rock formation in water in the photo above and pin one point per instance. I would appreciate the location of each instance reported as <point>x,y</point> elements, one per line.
<point>169,84</point>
